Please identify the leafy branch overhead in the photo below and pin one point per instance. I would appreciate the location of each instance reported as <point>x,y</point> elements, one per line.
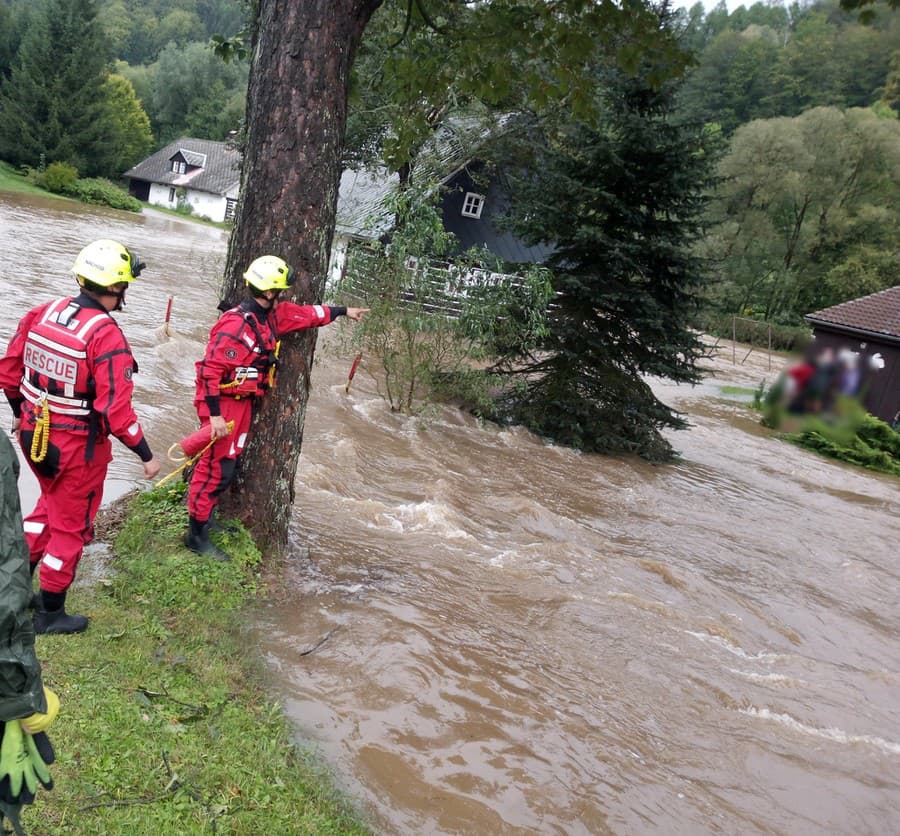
<point>423,59</point>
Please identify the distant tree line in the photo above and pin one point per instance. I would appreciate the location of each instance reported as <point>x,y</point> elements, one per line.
<point>769,61</point>
<point>806,213</point>
<point>99,84</point>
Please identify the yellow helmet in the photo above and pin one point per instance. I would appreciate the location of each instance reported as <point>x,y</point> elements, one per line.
<point>269,272</point>
<point>105,263</point>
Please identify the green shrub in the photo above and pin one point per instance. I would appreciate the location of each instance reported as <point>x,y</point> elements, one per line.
<point>846,432</point>
<point>57,178</point>
<point>97,190</point>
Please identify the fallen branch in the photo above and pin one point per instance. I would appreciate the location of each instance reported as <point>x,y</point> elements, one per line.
<point>320,642</point>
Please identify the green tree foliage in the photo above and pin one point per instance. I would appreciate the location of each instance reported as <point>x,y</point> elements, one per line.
<point>621,204</point>
<point>179,27</point>
<point>140,29</point>
<point>51,107</point>
<point>127,137</point>
<point>733,81</point>
<point>866,14</point>
<point>117,25</point>
<point>194,93</point>
<point>767,63</point>
<point>423,61</point>
<point>824,64</point>
<point>12,23</point>
<point>141,79</point>
<point>692,27</point>
<point>891,93</point>
<point>807,213</point>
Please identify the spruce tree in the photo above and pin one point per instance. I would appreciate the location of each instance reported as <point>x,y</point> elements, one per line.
<point>620,201</point>
<point>52,103</point>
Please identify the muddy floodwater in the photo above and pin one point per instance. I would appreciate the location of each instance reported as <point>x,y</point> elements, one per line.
<point>486,634</point>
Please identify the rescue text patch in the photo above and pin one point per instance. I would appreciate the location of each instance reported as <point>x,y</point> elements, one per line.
<point>49,363</point>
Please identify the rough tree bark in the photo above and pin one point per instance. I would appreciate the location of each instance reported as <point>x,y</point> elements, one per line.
<point>296,116</point>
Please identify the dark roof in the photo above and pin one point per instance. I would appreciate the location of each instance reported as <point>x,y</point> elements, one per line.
<point>877,313</point>
<point>194,158</point>
<point>219,174</point>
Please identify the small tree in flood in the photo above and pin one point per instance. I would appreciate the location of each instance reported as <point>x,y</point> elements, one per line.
<point>433,324</point>
<point>620,204</point>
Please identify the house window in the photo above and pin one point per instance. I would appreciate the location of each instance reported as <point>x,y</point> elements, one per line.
<point>472,205</point>
<point>230,206</point>
<point>178,167</point>
<point>171,195</point>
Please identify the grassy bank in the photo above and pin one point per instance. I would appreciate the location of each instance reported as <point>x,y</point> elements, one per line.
<point>165,726</point>
<point>12,181</point>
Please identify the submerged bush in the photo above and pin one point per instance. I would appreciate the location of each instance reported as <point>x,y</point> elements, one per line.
<point>97,190</point>
<point>847,433</point>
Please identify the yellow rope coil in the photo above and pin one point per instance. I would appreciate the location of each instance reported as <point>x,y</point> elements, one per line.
<point>40,441</point>
<point>187,462</point>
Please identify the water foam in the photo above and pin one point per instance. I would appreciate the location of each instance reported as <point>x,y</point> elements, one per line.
<point>832,734</point>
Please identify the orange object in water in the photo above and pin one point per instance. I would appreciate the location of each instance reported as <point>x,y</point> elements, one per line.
<point>197,441</point>
<point>352,371</point>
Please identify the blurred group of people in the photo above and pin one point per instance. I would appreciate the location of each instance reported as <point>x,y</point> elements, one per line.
<point>817,383</point>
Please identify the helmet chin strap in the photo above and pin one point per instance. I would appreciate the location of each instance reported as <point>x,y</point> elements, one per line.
<point>120,298</point>
<point>260,295</point>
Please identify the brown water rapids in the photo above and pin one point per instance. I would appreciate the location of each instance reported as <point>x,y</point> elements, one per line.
<point>490,635</point>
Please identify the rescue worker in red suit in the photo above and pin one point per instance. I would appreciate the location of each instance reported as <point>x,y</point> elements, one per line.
<point>67,375</point>
<point>233,374</point>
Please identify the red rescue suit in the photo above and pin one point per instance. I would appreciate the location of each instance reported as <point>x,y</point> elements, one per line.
<point>234,373</point>
<point>70,357</point>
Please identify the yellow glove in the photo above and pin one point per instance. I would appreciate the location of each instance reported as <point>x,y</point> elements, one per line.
<point>18,781</point>
<point>39,722</point>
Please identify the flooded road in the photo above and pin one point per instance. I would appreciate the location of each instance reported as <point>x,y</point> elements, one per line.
<point>484,634</point>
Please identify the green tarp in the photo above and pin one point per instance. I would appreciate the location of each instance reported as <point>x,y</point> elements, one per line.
<point>21,688</point>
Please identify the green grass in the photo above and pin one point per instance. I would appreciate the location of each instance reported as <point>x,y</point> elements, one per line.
<point>165,725</point>
<point>12,181</point>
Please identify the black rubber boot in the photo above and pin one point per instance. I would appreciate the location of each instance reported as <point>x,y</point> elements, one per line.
<point>50,615</point>
<point>198,541</point>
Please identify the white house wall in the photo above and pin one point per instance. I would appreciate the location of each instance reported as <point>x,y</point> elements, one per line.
<point>204,204</point>
<point>337,260</point>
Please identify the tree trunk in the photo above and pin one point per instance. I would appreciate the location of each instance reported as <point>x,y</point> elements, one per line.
<point>296,116</point>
